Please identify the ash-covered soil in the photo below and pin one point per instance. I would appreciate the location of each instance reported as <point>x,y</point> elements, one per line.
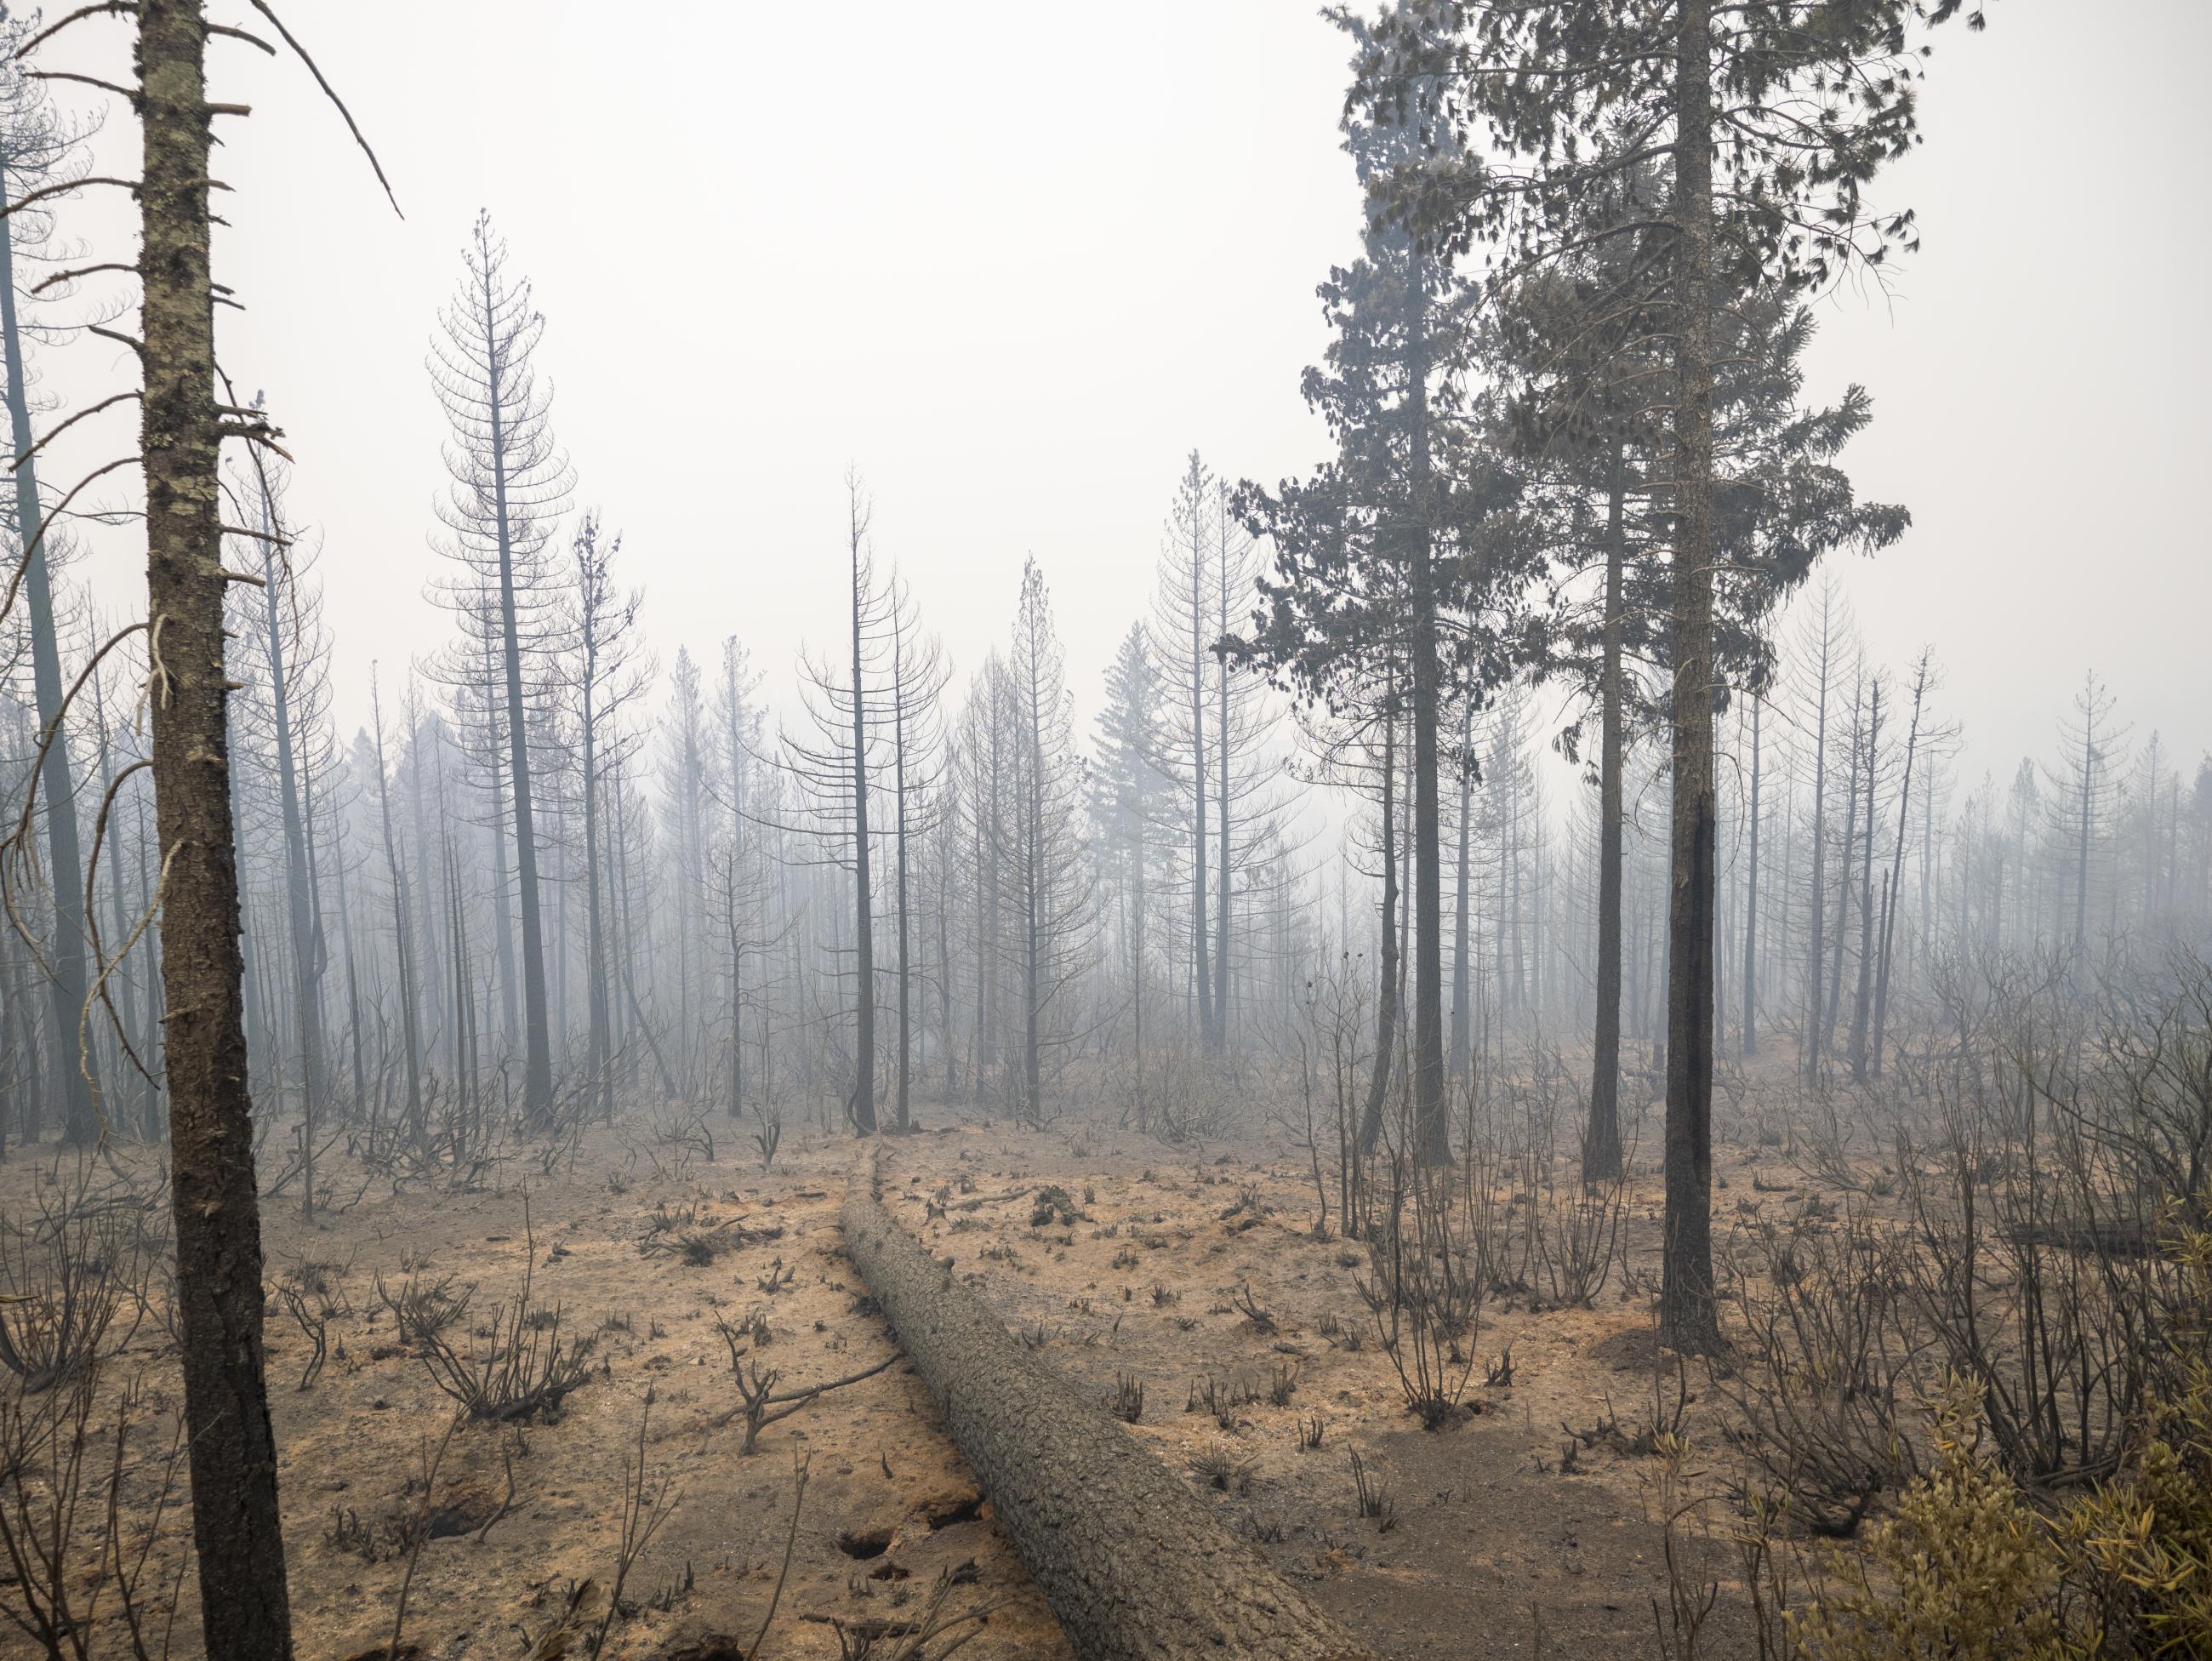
<point>1192,1271</point>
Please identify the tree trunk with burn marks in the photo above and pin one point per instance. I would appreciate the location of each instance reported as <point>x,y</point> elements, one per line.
<point>244,1606</point>
<point>1134,1564</point>
<point>1688,1317</point>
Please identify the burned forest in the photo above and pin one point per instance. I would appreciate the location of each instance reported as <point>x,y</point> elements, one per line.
<point>1201,830</point>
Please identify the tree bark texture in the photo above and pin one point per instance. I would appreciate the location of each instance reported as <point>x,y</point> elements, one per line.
<point>1431,1131</point>
<point>1688,1317</point>
<point>1134,1564</point>
<point>244,1608</point>
<point>1601,1153</point>
<point>1386,996</point>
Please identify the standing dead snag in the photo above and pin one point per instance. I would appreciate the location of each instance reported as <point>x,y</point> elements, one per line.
<point>243,1599</point>
<point>245,1607</point>
<point>1134,1564</point>
<point>34,152</point>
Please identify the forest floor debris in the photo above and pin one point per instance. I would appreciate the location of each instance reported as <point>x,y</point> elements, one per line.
<point>1184,1286</point>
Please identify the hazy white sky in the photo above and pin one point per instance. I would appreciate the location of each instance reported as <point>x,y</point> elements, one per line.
<point>1013,261</point>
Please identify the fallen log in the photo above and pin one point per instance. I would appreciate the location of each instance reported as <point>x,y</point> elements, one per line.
<point>1133,1562</point>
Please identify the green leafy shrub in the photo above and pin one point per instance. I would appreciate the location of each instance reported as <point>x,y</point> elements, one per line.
<point>1969,1569</point>
<point>1965,1569</point>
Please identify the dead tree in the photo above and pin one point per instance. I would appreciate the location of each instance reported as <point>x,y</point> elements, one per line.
<point>1601,1149</point>
<point>980,746</point>
<point>1180,617</point>
<point>286,625</point>
<point>918,673</point>
<point>510,482</point>
<point>1891,893</point>
<point>1133,1564</point>
<point>863,1108</point>
<point>245,1607</point>
<point>1388,991</point>
<point>1819,644</point>
<point>403,928</point>
<point>2085,795</point>
<point>746,885</point>
<point>35,157</point>
<point>1751,894</point>
<point>1133,805</point>
<point>684,776</point>
<point>1863,998</point>
<point>606,675</point>
<point>1044,855</point>
<point>832,771</point>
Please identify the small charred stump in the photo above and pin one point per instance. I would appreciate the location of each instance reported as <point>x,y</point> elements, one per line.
<point>1134,1564</point>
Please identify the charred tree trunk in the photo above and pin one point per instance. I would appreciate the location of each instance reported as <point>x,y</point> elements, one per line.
<point>151,1104</point>
<point>902,1097</point>
<point>1688,1317</point>
<point>1893,889</point>
<point>1137,903</point>
<point>1431,1129</point>
<point>537,1050</point>
<point>978,1052</point>
<point>1222,885</point>
<point>1751,905</point>
<point>1204,960</point>
<point>945,970</point>
<point>1032,885</point>
<point>306,965</point>
<point>65,985</point>
<point>245,1609</point>
<point>2089,759</point>
<point>502,922</point>
<point>1843,896</point>
<point>762,949</point>
<point>1386,1000</point>
<point>861,1108</point>
<point>1814,949</point>
<point>1461,1010</point>
<point>1602,1137</point>
<point>403,936</point>
<point>1135,1565</point>
<point>1862,1003</point>
<point>599,1040</point>
<point>119,919</point>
